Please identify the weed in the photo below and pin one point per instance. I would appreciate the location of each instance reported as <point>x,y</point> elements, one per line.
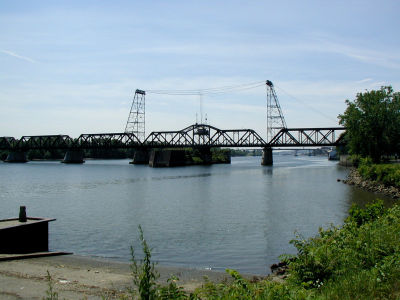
<point>50,293</point>
<point>172,290</point>
<point>143,271</point>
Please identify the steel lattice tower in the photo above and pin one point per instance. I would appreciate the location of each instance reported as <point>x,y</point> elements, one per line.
<point>136,119</point>
<point>275,119</point>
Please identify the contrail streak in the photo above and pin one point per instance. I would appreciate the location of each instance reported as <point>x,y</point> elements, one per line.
<point>19,56</point>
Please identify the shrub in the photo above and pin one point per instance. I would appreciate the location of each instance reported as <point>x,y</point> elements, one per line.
<point>359,259</point>
<point>388,174</point>
<point>370,213</point>
<point>143,271</point>
<point>241,288</point>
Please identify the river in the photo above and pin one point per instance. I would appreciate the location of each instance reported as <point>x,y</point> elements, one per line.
<point>239,216</point>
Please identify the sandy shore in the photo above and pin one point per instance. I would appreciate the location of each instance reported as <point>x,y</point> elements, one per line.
<point>77,277</point>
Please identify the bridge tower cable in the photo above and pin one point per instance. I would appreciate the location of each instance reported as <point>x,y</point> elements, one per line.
<point>136,119</point>
<point>275,118</point>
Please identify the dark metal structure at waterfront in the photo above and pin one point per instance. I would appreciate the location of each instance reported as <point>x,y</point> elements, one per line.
<point>197,135</point>
<point>201,136</point>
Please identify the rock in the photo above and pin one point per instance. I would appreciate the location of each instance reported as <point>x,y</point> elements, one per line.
<point>279,269</point>
<point>354,178</point>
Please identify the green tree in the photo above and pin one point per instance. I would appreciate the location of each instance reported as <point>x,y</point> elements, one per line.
<point>372,123</point>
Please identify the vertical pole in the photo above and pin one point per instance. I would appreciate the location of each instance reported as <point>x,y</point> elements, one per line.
<point>22,214</point>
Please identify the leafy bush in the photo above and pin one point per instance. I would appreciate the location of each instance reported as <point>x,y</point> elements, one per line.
<point>370,213</point>
<point>356,159</point>
<point>172,290</point>
<point>342,261</point>
<point>241,288</point>
<point>388,174</point>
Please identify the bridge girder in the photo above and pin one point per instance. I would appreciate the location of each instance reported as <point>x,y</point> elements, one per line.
<point>201,135</point>
<point>197,135</point>
<point>306,137</point>
<point>6,142</point>
<point>40,142</point>
<point>107,141</point>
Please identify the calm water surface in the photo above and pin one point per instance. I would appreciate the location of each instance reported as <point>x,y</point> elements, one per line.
<point>238,216</point>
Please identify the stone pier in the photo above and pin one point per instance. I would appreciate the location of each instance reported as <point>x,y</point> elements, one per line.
<point>167,158</point>
<point>73,157</point>
<point>16,157</point>
<point>141,157</point>
<point>267,159</point>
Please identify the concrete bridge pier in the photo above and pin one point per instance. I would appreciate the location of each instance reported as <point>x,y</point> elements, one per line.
<point>140,157</point>
<point>16,157</point>
<point>267,158</point>
<point>167,158</point>
<point>73,157</point>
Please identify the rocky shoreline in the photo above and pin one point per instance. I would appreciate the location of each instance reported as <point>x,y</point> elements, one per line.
<point>354,178</point>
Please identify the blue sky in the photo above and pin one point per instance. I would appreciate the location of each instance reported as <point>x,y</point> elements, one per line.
<point>72,67</point>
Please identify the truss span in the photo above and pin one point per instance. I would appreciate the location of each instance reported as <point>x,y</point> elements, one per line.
<point>38,142</point>
<point>108,141</point>
<point>201,135</point>
<point>197,135</point>
<point>306,137</point>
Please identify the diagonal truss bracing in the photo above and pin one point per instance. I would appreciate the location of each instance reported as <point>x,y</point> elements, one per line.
<point>201,135</point>
<point>198,135</point>
<point>41,142</point>
<point>289,137</point>
<point>107,141</point>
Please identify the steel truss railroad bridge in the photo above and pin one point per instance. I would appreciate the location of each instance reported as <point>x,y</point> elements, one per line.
<point>196,136</point>
<point>201,136</point>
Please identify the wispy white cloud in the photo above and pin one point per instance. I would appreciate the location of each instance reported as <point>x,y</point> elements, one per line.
<point>277,48</point>
<point>13,54</point>
<point>89,108</point>
<point>372,56</point>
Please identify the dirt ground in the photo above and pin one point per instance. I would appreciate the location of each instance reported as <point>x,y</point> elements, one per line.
<point>77,277</point>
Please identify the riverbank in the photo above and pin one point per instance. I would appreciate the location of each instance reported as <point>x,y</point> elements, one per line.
<point>78,277</point>
<point>354,178</point>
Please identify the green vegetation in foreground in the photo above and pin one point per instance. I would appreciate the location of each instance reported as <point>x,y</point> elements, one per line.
<point>359,260</point>
<point>388,174</point>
